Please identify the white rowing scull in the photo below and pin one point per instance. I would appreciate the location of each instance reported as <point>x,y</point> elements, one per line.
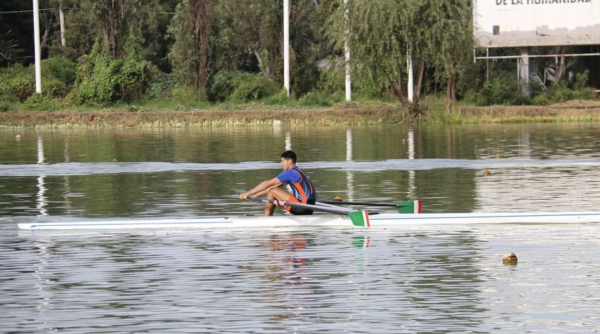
<point>384,220</point>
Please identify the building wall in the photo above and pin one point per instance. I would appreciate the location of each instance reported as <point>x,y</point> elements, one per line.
<point>520,23</point>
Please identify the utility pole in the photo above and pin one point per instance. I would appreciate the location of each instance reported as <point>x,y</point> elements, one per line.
<point>36,40</point>
<point>286,46</point>
<point>61,15</point>
<point>411,88</point>
<point>347,54</point>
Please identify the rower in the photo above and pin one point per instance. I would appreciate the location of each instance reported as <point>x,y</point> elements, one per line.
<point>301,186</point>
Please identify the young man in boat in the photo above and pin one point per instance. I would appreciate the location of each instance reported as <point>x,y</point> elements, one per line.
<point>302,188</point>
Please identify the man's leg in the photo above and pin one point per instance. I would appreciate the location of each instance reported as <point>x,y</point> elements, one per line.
<point>275,194</point>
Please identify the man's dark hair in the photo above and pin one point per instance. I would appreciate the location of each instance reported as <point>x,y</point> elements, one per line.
<point>289,155</point>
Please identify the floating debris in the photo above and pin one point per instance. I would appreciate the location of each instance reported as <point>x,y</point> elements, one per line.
<point>510,259</point>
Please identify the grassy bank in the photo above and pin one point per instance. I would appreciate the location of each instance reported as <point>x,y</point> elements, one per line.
<point>570,111</point>
<point>348,113</point>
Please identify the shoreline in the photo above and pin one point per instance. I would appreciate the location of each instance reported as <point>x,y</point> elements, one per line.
<point>349,113</point>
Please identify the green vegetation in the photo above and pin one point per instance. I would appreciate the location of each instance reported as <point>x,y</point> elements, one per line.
<point>184,55</point>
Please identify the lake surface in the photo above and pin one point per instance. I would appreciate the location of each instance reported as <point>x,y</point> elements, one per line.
<point>417,279</point>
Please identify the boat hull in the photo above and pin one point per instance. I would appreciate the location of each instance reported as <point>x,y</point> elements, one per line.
<point>379,220</point>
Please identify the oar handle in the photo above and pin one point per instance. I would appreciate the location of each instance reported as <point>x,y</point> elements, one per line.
<point>339,211</point>
<point>358,203</point>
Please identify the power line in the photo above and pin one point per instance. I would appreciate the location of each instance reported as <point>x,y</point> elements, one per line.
<point>65,9</point>
<point>27,11</point>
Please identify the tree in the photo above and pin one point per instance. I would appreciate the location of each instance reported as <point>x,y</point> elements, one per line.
<point>252,28</point>
<point>250,37</point>
<point>447,41</point>
<point>110,20</point>
<point>190,28</point>
<point>102,79</point>
<point>16,31</point>
<point>379,34</point>
<point>9,49</point>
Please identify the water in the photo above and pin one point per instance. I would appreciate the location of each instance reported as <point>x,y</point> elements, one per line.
<point>418,279</point>
<point>434,280</point>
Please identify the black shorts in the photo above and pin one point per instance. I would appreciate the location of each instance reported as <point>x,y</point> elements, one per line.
<point>300,212</point>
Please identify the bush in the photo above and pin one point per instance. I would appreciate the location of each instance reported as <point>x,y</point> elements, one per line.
<point>161,85</point>
<point>322,99</point>
<point>581,80</point>
<point>225,82</point>
<point>558,93</point>
<point>4,106</point>
<point>113,80</point>
<point>61,69</point>
<point>40,103</point>
<point>503,89</point>
<point>239,86</point>
<point>18,89</point>
<point>280,98</point>
<point>102,80</point>
<point>54,88</point>
<point>185,95</point>
<point>331,78</point>
<point>471,97</point>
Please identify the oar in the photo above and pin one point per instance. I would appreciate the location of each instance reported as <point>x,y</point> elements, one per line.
<point>403,207</point>
<point>329,209</point>
<point>357,217</point>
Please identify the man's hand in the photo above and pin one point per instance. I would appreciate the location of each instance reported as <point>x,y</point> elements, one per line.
<point>279,202</point>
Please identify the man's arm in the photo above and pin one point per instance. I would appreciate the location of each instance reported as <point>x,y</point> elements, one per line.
<point>262,188</point>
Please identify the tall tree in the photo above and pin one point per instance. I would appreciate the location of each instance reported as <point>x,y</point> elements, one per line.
<point>379,34</point>
<point>111,20</point>
<point>254,28</point>
<point>190,28</point>
<point>9,49</point>
<point>447,41</point>
<point>16,32</point>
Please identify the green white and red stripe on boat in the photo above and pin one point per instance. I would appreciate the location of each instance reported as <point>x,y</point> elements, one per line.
<point>360,218</point>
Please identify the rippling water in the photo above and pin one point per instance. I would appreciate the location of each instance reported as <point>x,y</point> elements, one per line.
<point>428,279</point>
<point>417,279</point>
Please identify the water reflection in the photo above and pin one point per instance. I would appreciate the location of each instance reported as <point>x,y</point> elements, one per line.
<point>41,201</point>
<point>41,284</point>
<point>286,274</point>
<point>411,194</point>
<point>421,280</point>
<point>349,174</point>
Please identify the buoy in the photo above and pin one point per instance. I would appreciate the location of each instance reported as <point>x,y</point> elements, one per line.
<point>510,259</point>
<point>337,198</point>
<point>498,155</point>
<point>114,160</point>
<point>487,172</point>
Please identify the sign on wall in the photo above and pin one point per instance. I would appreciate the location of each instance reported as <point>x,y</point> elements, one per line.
<point>520,23</point>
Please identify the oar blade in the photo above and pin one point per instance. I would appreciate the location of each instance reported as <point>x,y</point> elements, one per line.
<point>409,206</point>
<point>360,218</point>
